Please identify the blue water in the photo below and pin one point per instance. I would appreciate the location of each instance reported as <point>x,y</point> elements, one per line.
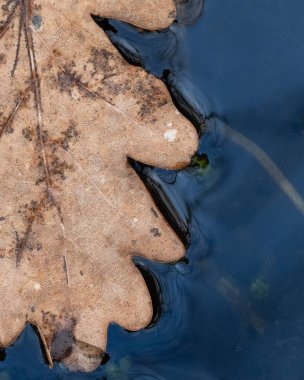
<point>235,309</point>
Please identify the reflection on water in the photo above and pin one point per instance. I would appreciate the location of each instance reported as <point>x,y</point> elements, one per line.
<point>235,309</point>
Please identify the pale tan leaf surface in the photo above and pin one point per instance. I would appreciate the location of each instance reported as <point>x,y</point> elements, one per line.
<point>73,212</point>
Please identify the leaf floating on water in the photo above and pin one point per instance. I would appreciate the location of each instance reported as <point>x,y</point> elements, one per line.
<point>73,211</point>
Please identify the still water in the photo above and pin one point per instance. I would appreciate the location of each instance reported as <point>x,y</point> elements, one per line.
<point>234,309</point>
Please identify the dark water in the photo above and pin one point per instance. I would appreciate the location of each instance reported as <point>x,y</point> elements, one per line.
<point>235,309</point>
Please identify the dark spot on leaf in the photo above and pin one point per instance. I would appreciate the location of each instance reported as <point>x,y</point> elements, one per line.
<point>70,134</point>
<point>2,59</point>
<point>62,344</point>
<point>153,98</point>
<point>65,82</point>
<point>8,5</point>
<point>155,232</point>
<point>37,22</point>
<point>100,59</point>
<point>28,133</point>
<point>9,129</point>
<point>154,212</point>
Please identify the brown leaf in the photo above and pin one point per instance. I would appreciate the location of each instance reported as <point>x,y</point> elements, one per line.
<point>73,212</point>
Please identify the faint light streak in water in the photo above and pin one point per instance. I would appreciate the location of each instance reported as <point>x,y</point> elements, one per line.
<point>272,169</point>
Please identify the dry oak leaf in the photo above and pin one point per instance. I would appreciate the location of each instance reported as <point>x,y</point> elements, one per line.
<point>73,212</point>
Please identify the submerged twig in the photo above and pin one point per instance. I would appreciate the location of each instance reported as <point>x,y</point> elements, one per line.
<point>272,169</point>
